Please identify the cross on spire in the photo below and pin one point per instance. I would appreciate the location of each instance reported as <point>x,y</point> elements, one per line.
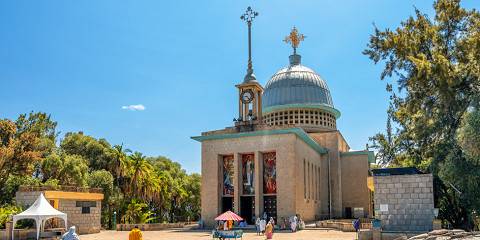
<point>294,38</point>
<point>248,17</point>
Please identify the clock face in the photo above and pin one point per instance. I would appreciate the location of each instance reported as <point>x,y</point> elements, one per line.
<point>246,96</point>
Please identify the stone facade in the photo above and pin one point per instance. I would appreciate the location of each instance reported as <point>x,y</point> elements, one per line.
<point>84,222</point>
<point>305,177</point>
<point>404,202</point>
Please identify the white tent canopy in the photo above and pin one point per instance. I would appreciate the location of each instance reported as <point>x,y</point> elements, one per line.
<point>40,211</point>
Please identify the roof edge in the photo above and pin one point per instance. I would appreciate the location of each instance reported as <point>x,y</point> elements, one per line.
<point>370,154</point>
<point>297,131</point>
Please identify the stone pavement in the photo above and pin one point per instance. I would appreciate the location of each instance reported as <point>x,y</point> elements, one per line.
<point>180,234</point>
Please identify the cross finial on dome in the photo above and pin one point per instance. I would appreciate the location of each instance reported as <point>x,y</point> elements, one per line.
<point>294,38</point>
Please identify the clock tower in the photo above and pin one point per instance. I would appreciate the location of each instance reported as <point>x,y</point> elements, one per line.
<point>249,91</point>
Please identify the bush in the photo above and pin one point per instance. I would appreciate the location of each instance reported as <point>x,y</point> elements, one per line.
<point>7,211</point>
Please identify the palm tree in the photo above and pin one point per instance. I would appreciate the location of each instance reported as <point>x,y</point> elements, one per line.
<point>121,163</point>
<point>141,173</point>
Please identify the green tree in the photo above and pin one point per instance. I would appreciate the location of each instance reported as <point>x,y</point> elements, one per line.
<point>434,63</point>
<point>468,135</point>
<point>103,179</point>
<point>141,173</point>
<point>12,184</point>
<point>24,143</point>
<point>74,171</point>
<point>29,156</point>
<point>121,165</point>
<point>52,166</point>
<point>98,153</point>
<point>42,126</point>
<point>385,145</point>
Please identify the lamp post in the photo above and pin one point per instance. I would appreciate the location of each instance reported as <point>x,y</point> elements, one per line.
<point>114,220</point>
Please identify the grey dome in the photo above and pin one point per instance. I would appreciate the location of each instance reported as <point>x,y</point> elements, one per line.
<point>296,84</point>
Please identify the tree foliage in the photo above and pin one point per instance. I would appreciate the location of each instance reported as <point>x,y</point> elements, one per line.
<point>24,144</point>
<point>468,135</point>
<point>139,188</point>
<point>435,65</point>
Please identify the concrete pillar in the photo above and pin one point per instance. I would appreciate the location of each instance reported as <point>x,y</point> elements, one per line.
<point>258,184</point>
<point>8,230</point>
<point>237,176</point>
<point>240,111</point>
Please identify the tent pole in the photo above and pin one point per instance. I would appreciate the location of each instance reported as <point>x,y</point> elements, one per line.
<point>39,224</point>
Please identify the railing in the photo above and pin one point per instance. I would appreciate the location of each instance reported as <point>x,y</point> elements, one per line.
<point>59,188</point>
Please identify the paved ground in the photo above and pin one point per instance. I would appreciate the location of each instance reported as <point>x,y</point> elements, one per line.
<point>194,235</point>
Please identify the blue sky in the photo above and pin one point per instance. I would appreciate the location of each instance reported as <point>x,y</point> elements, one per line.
<point>81,61</point>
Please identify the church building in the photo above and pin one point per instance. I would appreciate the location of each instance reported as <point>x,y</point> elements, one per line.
<point>284,155</point>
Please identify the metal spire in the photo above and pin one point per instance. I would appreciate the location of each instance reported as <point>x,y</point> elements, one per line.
<point>248,17</point>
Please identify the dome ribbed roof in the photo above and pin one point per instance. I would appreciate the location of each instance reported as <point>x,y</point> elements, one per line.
<point>296,84</point>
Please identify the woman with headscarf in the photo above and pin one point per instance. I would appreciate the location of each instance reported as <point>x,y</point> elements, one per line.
<point>269,230</point>
<point>70,235</point>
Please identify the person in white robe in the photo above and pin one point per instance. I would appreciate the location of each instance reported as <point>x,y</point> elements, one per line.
<point>70,235</point>
<point>263,223</point>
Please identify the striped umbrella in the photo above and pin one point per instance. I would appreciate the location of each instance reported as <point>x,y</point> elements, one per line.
<point>228,215</point>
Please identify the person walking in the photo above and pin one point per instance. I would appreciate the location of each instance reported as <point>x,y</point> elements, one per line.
<point>257,226</point>
<point>263,224</point>
<point>272,221</point>
<point>269,230</point>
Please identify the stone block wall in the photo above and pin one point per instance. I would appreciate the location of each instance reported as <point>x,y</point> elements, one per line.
<point>84,222</point>
<point>407,202</point>
<point>26,198</point>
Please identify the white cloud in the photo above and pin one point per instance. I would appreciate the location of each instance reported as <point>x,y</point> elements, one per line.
<point>138,107</point>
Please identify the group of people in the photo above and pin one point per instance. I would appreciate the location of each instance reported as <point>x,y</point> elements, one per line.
<point>265,228</point>
<point>293,223</point>
<point>225,225</point>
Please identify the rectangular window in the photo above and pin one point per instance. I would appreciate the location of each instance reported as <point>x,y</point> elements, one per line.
<point>86,204</point>
<point>304,180</point>
<point>314,179</point>
<point>308,180</point>
<point>85,210</point>
<point>318,183</point>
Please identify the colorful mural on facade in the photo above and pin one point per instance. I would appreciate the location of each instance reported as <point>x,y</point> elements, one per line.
<point>228,175</point>
<point>248,171</point>
<point>269,173</point>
